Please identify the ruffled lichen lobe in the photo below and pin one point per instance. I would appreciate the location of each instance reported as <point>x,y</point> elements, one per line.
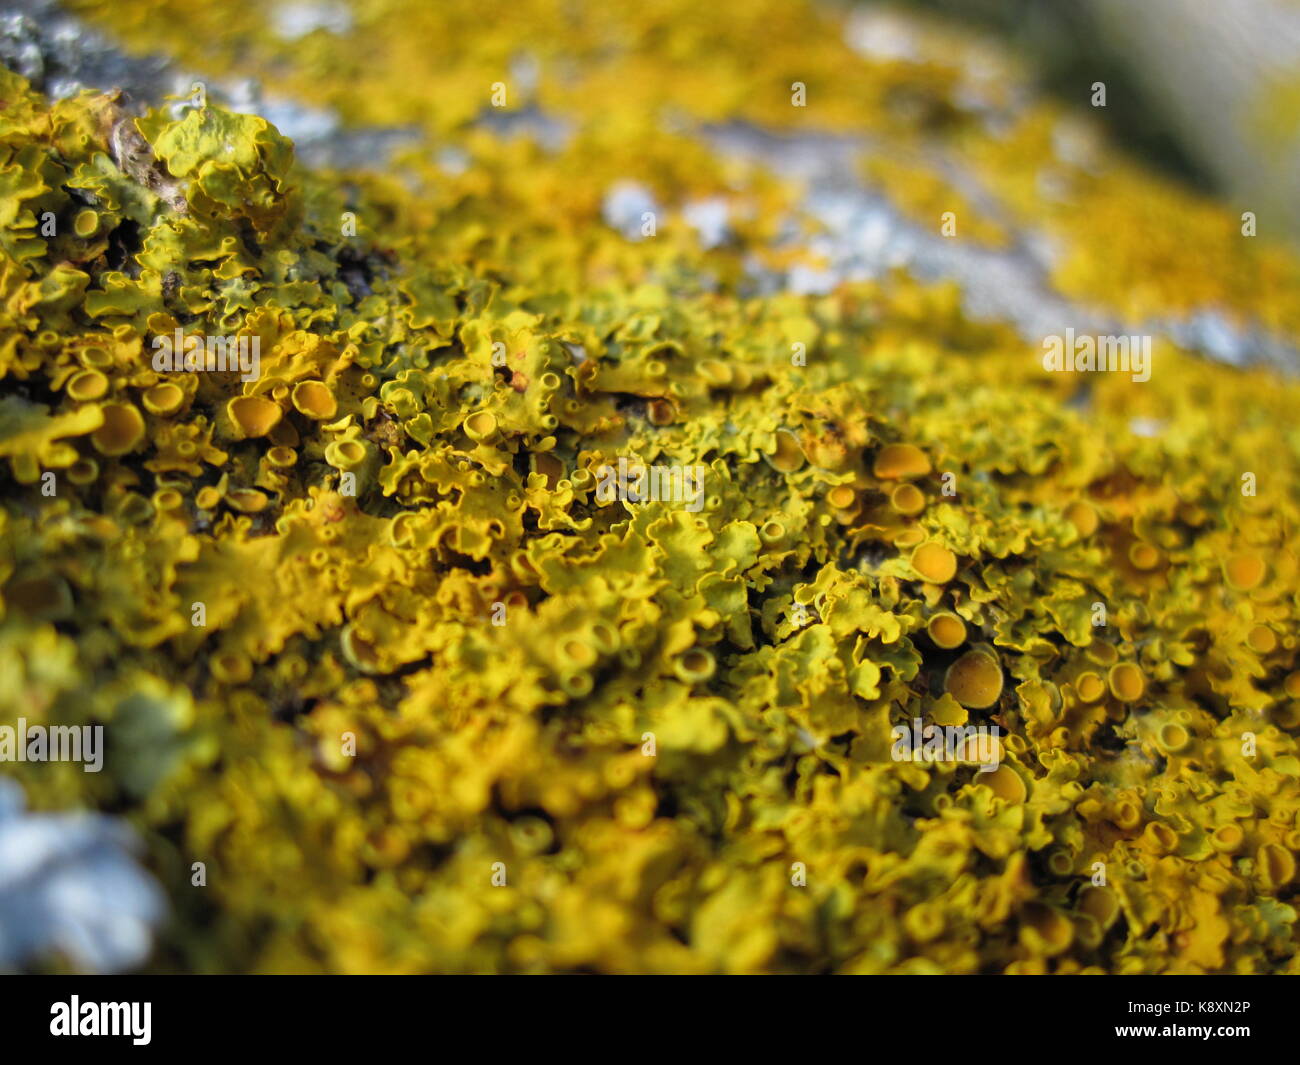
<point>448,705</point>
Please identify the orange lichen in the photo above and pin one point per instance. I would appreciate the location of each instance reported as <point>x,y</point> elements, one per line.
<point>896,461</point>
<point>163,399</point>
<point>1245,572</point>
<point>907,499</point>
<point>1126,682</point>
<point>253,415</point>
<point>1144,556</point>
<point>934,562</point>
<point>481,427</point>
<point>974,680</point>
<point>87,386</point>
<point>121,431</point>
<point>1262,640</point>
<point>1083,516</point>
<point>1089,686</point>
<point>946,630</point>
<point>787,456</point>
<point>315,400</point>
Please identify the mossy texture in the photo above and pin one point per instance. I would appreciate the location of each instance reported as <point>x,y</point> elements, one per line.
<point>476,718</point>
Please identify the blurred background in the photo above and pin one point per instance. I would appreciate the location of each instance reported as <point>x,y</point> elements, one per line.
<point>1206,90</point>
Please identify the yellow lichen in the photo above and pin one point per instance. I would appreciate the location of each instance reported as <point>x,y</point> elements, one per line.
<point>433,642</point>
